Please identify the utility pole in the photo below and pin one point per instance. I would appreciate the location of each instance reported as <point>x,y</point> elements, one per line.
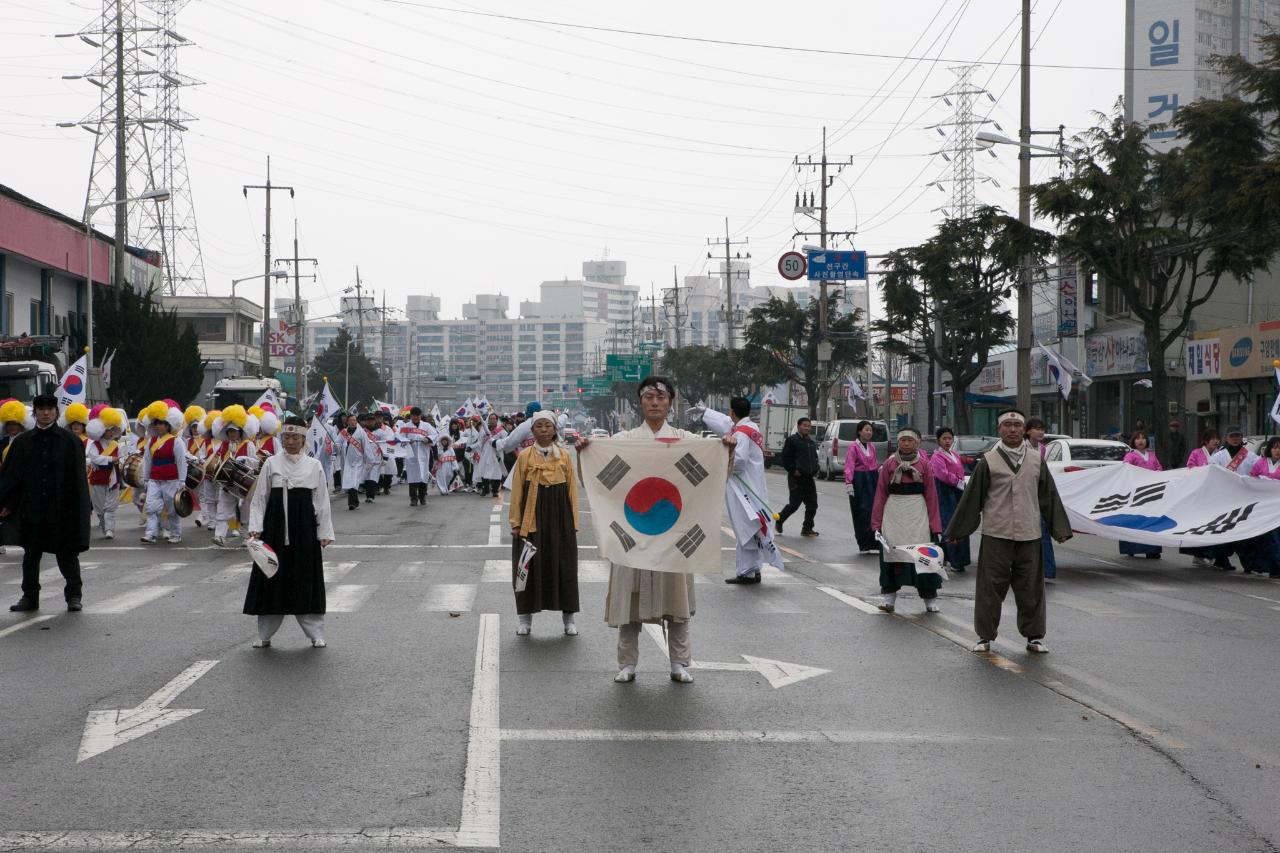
<point>1024,216</point>
<point>382,356</point>
<point>824,166</point>
<point>265,370</point>
<point>299,320</point>
<point>675,300</point>
<point>359,308</point>
<point>729,273</point>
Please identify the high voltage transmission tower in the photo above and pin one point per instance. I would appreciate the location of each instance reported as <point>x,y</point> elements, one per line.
<point>960,147</point>
<point>138,143</point>
<point>184,263</point>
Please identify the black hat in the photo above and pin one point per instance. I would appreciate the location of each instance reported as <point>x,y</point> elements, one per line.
<point>1234,430</point>
<point>44,401</point>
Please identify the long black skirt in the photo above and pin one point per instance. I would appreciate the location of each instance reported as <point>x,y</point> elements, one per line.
<point>298,585</point>
<point>553,573</point>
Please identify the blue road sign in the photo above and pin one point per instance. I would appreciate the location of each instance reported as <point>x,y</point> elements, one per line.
<point>843,265</point>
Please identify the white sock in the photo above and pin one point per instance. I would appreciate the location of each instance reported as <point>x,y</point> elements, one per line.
<point>568,619</point>
<point>890,598</point>
<point>526,620</point>
<point>677,668</point>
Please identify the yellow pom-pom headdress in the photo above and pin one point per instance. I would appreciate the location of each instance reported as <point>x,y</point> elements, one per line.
<point>13,412</point>
<point>75,413</point>
<point>193,413</point>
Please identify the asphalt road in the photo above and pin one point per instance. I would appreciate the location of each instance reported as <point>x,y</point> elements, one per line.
<point>815,723</point>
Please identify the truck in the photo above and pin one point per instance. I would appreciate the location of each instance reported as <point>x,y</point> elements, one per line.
<point>30,365</point>
<point>779,421</point>
<point>245,390</point>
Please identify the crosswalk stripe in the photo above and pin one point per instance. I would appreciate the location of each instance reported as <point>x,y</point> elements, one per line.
<point>409,571</point>
<point>347,597</point>
<point>856,603</point>
<point>773,574</point>
<point>51,574</point>
<point>151,573</point>
<point>238,572</point>
<point>589,571</point>
<point>449,597</point>
<point>338,571</point>
<point>129,600</point>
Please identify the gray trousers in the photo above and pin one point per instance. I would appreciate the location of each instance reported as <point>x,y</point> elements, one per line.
<point>312,624</point>
<point>1004,563</point>
<point>678,648</point>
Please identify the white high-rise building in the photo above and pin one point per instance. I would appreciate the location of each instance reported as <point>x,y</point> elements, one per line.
<point>1168,45</point>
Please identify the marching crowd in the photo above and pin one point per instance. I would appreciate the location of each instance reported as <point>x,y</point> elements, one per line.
<point>253,476</point>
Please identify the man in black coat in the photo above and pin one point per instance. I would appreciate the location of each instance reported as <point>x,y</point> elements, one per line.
<point>44,486</point>
<point>800,459</point>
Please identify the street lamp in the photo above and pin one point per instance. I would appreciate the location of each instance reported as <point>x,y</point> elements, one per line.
<point>150,195</point>
<point>276,274</point>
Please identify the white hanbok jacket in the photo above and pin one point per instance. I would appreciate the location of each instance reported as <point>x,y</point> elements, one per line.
<point>491,465</point>
<point>416,439</point>
<point>358,456</point>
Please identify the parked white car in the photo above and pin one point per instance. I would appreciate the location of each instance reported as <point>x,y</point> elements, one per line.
<point>1078,454</point>
<point>599,433</point>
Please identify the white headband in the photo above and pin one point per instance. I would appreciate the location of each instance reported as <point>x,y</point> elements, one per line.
<point>1015,417</point>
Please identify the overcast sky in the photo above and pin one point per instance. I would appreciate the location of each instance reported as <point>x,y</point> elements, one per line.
<point>455,154</point>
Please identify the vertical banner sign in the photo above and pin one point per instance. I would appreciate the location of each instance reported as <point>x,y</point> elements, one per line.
<point>284,339</point>
<point>1161,76</point>
<point>1067,297</point>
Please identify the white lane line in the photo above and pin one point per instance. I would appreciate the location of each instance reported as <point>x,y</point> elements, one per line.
<point>50,575</point>
<point>26,623</point>
<point>347,597</point>
<point>495,536</point>
<point>177,839</point>
<point>1086,605</point>
<point>855,603</point>
<point>449,598</point>
<point>151,573</point>
<point>745,736</point>
<point>338,571</point>
<point>129,600</point>
<point>1182,606</point>
<point>481,790</point>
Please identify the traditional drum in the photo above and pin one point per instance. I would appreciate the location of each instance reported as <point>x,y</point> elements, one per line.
<point>195,472</point>
<point>237,475</point>
<point>184,502</point>
<point>132,467</point>
<point>211,468</point>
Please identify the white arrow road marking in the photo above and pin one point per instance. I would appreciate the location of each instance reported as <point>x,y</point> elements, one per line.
<point>104,730</point>
<point>778,673</point>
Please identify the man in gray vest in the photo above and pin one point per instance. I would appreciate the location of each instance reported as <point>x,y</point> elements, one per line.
<point>1010,491</point>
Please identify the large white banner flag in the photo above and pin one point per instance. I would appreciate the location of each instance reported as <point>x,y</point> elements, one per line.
<point>270,396</point>
<point>327,405</point>
<point>71,387</point>
<point>1186,507</point>
<point>657,505</point>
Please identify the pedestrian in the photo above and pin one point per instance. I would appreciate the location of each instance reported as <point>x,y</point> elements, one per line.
<point>1176,450</point>
<point>1198,458</point>
<point>102,454</point>
<point>1237,458</point>
<point>746,494</point>
<point>234,431</point>
<point>372,468</point>
<point>385,438</point>
<point>1140,455</point>
<point>1011,495</point>
<point>1264,551</point>
<point>861,472</point>
<point>1034,433</point>
<point>490,472</point>
<point>43,487</point>
<point>446,465</point>
<point>164,468</point>
<point>415,439</point>
<point>638,596</point>
<point>799,459</point>
<point>948,477</point>
<point>905,513</point>
<point>544,513</point>
<point>290,513</point>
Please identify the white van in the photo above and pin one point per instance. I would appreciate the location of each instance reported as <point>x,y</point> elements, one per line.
<point>839,434</point>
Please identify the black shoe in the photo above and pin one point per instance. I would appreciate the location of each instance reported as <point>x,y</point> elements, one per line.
<point>413,501</point>
<point>74,605</point>
<point>25,604</point>
<point>744,579</point>
<point>368,500</point>
<point>809,534</point>
<point>777,527</point>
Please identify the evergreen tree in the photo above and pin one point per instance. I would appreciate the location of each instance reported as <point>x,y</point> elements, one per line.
<point>154,358</point>
<point>359,384</point>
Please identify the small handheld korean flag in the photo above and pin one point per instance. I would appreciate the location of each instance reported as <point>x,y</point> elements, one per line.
<point>926,557</point>
<point>657,504</point>
<point>264,557</point>
<point>522,570</point>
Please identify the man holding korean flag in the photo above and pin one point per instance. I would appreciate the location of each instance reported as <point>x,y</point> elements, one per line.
<point>656,493</point>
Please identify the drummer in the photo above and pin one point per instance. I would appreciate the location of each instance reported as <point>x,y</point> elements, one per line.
<point>235,429</point>
<point>164,467</point>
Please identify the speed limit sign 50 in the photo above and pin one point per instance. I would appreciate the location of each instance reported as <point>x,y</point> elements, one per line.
<point>792,265</point>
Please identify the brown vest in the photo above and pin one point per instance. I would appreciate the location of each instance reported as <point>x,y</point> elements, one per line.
<point>1012,506</point>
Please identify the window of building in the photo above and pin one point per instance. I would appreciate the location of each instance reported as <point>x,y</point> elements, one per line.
<point>207,328</point>
<point>34,327</point>
<point>8,313</point>
<point>1116,305</point>
<point>573,327</point>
